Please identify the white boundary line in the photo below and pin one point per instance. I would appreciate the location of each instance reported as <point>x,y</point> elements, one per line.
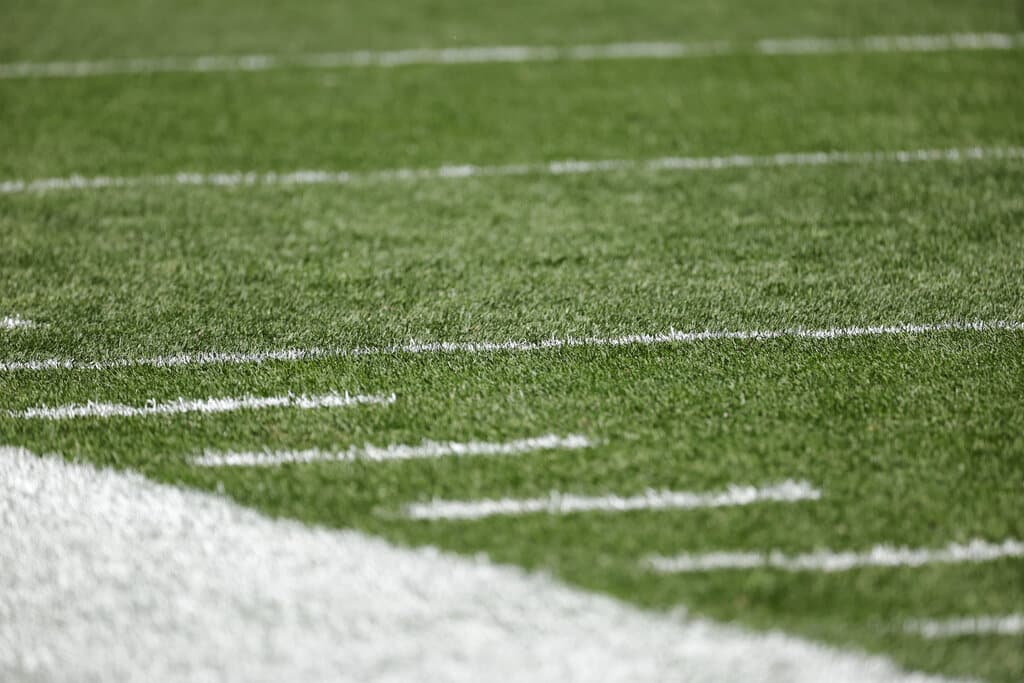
<point>371,453</point>
<point>555,168</point>
<point>117,578</point>
<point>15,322</point>
<point>1005,625</point>
<point>517,54</point>
<point>211,405</point>
<point>829,561</point>
<point>672,337</point>
<point>565,503</point>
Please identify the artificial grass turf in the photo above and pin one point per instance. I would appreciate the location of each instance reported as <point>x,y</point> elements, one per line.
<point>65,29</point>
<point>508,113</point>
<point>144,272</point>
<point>913,440</point>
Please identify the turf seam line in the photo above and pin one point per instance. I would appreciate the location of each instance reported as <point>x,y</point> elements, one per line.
<point>511,346</point>
<point>370,453</point>
<point>879,44</point>
<point>830,561</point>
<point>565,503</point>
<point>553,168</point>
<point>15,322</point>
<point>1003,625</point>
<point>210,405</point>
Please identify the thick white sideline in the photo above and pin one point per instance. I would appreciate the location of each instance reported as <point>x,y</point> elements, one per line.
<point>1004,625</point>
<point>830,561</point>
<point>14,322</point>
<point>554,168</point>
<point>109,577</point>
<point>369,452</point>
<point>516,54</point>
<point>565,503</point>
<point>225,404</point>
<point>511,346</point>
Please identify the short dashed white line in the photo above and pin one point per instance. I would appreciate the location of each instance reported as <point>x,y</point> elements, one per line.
<point>14,322</point>
<point>829,561</point>
<point>458,172</point>
<point>1004,625</point>
<point>371,453</point>
<point>906,43</point>
<point>516,54</point>
<point>210,405</point>
<point>565,503</point>
<point>512,346</point>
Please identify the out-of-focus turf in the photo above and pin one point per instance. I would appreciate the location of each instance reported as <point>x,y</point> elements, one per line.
<point>915,441</point>
<point>67,29</point>
<point>505,113</point>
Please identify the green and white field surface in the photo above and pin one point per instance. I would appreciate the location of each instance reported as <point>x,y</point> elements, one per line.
<point>654,340</point>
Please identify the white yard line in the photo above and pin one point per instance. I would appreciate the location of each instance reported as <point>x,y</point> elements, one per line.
<point>829,561</point>
<point>565,503</point>
<point>517,54</point>
<point>554,168</point>
<point>906,43</point>
<point>211,405</point>
<point>1003,625</point>
<point>14,322</point>
<point>116,578</point>
<point>511,346</point>
<point>369,452</point>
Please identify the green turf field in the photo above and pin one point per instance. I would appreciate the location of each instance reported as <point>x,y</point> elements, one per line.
<point>912,439</point>
<point>65,29</point>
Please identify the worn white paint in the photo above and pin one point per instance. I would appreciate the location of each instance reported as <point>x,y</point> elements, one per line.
<point>15,322</point>
<point>565,503</point>
<point>511,346</point>
<point>837,561</point>
<point>224,404</point>
<point>555,168</point>
<point>516,54</point>
<point>369,452</point>
<point>1001,625</point>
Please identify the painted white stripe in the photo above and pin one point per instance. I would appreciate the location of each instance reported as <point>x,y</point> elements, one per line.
<point>565,503</point>
<point>909,43</point>
<point>14,322</point>
<point>211,405</point>
<point>517,54</point>
<point>512,346</point>
<point>1008,625</point>
<point>369,452</point>
<point>565,167</point>
<point>116,578</point>
<point>829,561</point>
